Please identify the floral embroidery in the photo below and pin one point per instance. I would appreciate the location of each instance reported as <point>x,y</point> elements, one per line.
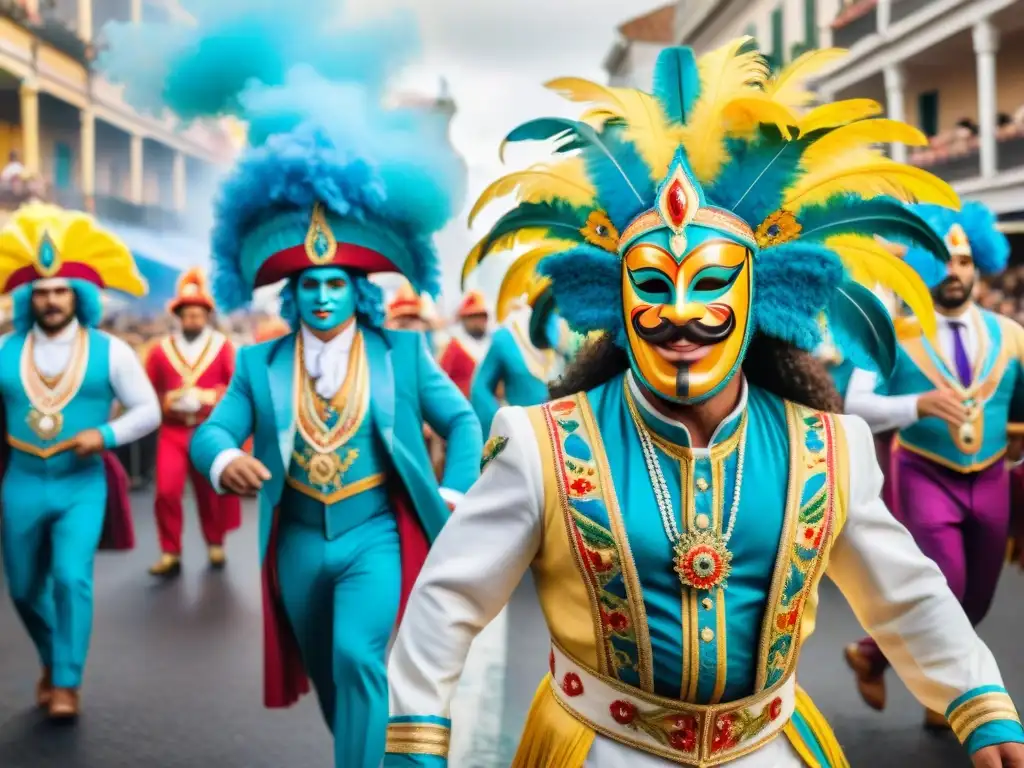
<point>571,684</point>
<point>581,486</point>
<point>781,227</point>
<point>736,727</point>
<point>492,449</point>
<point>671,729</point>
<point>812,527</point>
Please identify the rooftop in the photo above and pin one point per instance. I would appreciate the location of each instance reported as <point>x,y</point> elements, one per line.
<point>654,27</point>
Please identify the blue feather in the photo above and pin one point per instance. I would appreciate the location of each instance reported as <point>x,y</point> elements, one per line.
<point>620,175</point>
<point>587,286</point>
<point>541,129</point>
<point>886,217</point>
<point>928,267</point>
<point>794,283</point>
<point>559,218</point>
<point>862,329</point>
<point>676,82</point>
<point>753,183</point>
<point>989,247</point>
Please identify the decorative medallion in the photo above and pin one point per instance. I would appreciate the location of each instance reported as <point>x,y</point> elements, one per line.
<point>321,245</point>
<point>600,231</point>
<point>678,201</point>
<point>49,259</point>
<point>46,425</point>
<point>957,241</point>
<point>781,227</point>
<point>702,560</point>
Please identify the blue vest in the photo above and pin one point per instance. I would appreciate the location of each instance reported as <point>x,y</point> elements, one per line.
<point>696,645</point>
<point>357,490</point>
<point>997,377</point>
<point>88,409</point>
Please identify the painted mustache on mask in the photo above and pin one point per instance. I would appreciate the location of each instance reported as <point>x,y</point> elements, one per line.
<point>695,332</point>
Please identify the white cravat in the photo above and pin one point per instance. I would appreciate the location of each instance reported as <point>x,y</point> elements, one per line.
<point>191,350</point>
<point>327,361</point>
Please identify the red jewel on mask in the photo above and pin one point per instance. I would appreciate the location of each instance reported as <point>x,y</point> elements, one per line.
<point>676,203</point>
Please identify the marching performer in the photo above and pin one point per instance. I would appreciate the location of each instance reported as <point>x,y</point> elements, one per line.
<point>333,188</point>
<point>406,311</point>
<point>680,499</point>
<point>951,402</point>
<point>190,370</point>
<point>468,343</point>
<point>59,379</point>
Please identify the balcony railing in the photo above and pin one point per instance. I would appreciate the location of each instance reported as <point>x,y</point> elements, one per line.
<point>51,28</point>
<point>855,22</point>
<point>902,9</point>
<point>960,159</point>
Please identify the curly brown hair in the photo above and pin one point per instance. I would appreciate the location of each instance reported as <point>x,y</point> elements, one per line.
<point>771,364</point>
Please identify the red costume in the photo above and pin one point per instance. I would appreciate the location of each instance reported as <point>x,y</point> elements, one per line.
<point>197,371</point>
<point>463,353</point>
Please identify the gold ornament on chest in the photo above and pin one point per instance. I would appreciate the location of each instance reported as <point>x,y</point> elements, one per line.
<point>327,469</point>
<point>49,395</point>
<point>968,431</point>
<point>46,425</point>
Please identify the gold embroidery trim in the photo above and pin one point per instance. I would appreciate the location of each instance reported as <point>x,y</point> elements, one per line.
<point>345,492</point>
<point>976,466</point>
<point>352,401</point>
<point>705,216</point>
<point>718,507</point>
<point>51,400</point>
<point>191,373</point>
<point>418,739</point>
<point>42,453</point>
<point>974,713</point>
<point>631,578</point>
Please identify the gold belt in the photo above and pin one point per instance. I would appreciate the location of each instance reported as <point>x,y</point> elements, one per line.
<point>687,734</point>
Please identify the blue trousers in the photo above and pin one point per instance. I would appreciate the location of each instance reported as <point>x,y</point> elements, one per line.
<point>51,527</point>
<point>341,598</point>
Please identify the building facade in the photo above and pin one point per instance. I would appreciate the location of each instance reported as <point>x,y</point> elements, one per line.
<point>630,63</point>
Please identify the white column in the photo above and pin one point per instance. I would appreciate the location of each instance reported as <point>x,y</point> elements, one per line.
<point>88,162</point>
<point>29,94</point>
<point>136,12</point>
<point>85,20</point>
<point>135,170</point>
<point>884,17</point>
<point>986,44</point>
<point>179,181</point>
<point>894,105</point>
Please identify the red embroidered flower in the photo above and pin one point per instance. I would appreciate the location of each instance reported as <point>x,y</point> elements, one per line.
<point>551,663</point>
<point>682,723</point>
<point>775,709</point>
<point>723,737</point>
<point>615,621</point>
<point>788,620</point>
<point>702,567</point>
<point>571,684</point>
<point>563,406</point>
<point>623,712</point>
<point>684,741</point>
<point>581,486</point>
<point>597,561</point>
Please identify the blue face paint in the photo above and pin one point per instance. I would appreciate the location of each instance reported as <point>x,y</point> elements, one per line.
<point>326,297</point>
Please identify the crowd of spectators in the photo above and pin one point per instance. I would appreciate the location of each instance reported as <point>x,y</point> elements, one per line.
<point>1004,293</point>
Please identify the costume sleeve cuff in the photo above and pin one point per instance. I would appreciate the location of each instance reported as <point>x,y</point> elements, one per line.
<point>983,717</point>
<point>109,438</point>
<point>417,741</point>
<point>220,464</point>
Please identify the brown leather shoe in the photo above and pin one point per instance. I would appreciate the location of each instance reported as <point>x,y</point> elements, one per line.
<point>933,721</point>
<point>217,557</point>
<point>870,684</point>
<point>167,567</point>
<point>64,704</point>
<point>44,689</point>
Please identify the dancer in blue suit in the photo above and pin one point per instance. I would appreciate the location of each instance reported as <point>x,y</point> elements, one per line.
<point>332,189</point>
<point>59,378</point>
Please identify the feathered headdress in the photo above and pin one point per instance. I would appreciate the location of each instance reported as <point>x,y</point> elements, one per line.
<point>330,176</point>
<point>192,292</point>
<point>406,303</point>
<point>43,241</point>
<point>723,145</point>
<point>972,231</point>
<point>473,303</point>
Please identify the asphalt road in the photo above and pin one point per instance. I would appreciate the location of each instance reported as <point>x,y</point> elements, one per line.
<point>174,678</point>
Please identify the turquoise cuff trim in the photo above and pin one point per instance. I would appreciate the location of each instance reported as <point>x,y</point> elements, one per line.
<point>996,732</point>
<point>972,694</point>
<point>414,761</point>
<point>109,440</point>
<point>432,719</point>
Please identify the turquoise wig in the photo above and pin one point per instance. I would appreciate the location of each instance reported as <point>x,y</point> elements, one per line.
<point>989,247</point>
<point>804,190</point>
<point>311,93</point>
<point>88,305</point>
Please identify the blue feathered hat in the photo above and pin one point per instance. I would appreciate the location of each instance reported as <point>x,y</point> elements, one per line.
<point>330,175</point>
<point>724,149</point>
<point>972,230</point>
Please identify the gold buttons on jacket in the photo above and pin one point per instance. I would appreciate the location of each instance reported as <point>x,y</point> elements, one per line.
<point>707,603</point>
<point>707,635</point>
<point>703,522</point>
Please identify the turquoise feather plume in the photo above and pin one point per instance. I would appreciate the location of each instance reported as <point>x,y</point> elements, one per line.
<point>885,217</point>
<point>676,82</point>
<point>862,329</point>
<point>561,220</point>
<point>753,185</point>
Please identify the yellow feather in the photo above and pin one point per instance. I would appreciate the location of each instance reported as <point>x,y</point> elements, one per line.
<point>838,113</point>
<point>725,75</point>
<point>566,181</point>
<point>744,114</point>
<point>646,125</point>
<point>871,263</point>
<point>870,177</point>
<point>598,117</point>
<point>508,242</point>
<point>856,136</point>
<point>788,86</point>
<point>522,278</point>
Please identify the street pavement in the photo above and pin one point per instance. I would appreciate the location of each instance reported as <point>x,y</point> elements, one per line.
<point>175,675</point>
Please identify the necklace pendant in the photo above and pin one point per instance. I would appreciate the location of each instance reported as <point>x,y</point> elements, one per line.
<point>702,560</point>
<point>324,468</point>
<point>46,426</point>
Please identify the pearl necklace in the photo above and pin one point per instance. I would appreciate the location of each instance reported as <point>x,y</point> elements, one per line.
<point>701,558</point>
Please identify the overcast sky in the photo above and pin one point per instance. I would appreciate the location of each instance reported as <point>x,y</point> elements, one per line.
<point>496,55</point>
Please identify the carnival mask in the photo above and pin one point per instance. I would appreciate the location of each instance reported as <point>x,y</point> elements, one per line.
<point>326,297</point>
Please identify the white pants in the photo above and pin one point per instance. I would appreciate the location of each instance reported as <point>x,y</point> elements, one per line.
<point>606,753</point>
